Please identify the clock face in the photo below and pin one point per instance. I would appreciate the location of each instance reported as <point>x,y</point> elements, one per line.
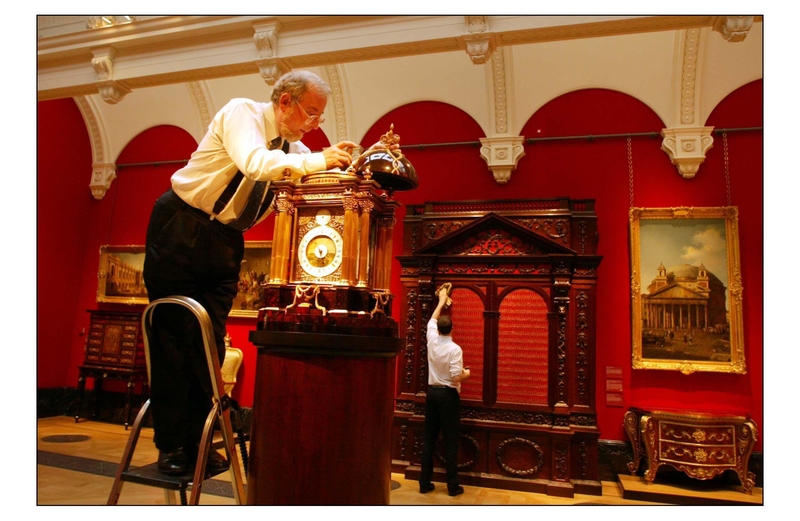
<point>320,251</point>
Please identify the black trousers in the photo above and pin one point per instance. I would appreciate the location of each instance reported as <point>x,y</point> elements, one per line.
<point>441,413</point>
<point>189,255</point>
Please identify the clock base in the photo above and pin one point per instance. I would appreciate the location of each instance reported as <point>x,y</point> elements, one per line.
<point>327,299</point>
<point>343,326</point>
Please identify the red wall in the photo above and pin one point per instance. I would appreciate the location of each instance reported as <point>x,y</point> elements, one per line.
<point>64,212</point>
<point>595,169</point>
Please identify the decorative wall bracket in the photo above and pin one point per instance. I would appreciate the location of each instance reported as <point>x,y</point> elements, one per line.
<point>687,147</point>
<point>480,43</point>
<point>733,28</point>
<point>480,47</point>
<point>266,40</point>
<point>102,176</point>
<point>501,155</point>
<point>272,69</point>
<point>110,90</point>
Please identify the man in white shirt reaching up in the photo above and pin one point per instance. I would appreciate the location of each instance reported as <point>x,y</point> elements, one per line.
<point>446,371</point>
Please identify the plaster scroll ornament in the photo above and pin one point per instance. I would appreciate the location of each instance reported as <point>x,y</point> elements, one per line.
<point>733,28</point>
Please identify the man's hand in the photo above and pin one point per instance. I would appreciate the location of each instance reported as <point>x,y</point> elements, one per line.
<point>465,373</point>
<point>337,155</point>
<point>444,300</point>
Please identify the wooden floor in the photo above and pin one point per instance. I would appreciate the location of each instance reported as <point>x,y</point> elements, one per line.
<point>77,461</point>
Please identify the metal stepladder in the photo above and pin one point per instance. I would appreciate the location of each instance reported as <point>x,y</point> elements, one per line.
<point>220,413</point>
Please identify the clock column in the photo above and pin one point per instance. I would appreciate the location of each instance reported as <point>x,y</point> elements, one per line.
<point>350,253</point>
<point>282,240</point>
<point>366,207</point>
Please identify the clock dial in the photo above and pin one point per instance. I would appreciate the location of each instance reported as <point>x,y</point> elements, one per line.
<point>320,251</point>
<point>323,217</point>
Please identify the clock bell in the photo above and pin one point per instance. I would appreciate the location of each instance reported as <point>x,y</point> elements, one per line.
<point>332,244</point>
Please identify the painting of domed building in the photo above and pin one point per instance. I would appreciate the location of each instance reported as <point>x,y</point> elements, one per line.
<point>685,297</point>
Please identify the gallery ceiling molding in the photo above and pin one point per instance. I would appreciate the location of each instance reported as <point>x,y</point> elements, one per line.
<point>179,70</point>
<point>169,49</point>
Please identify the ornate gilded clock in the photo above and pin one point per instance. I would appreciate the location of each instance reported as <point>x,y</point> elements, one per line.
<point>332,245</point>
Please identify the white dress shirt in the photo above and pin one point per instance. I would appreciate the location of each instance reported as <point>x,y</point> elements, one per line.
<point>237,139</point>
<point>445,359</point>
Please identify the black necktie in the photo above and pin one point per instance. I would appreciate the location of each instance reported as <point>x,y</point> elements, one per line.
<point>257,204</point>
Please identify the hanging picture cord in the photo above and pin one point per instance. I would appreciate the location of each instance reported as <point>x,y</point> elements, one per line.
<point>113,207</point>
<point>726,159</point>
<point>630,168</point>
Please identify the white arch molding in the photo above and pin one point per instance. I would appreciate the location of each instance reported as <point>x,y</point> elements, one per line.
<point>104,171</point>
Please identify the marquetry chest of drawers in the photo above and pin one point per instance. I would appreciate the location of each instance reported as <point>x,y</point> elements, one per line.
<point>115,340</point>
<point>701,445</point>
<point>114,351</point>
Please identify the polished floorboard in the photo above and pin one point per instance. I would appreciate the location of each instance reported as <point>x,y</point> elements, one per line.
<point>76,463</point>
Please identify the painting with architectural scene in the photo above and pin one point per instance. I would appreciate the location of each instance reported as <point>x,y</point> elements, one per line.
<point>686,289</point>
<point>119,278</point>
<point>254,272</point>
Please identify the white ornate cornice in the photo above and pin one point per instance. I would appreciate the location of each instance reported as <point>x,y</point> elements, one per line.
<point>103,64</point>
<point>266,39</point>
<point>337,93</point>
<point>272,69</point>
<point>733,28</point>
<point>270,66</point>
<point>302,42</point>
<point>687,147</point>
<point>501,154</point>
<point>685,141</point>
<point>479,42</point>
<point>102,176</point>
<point>501,151</point>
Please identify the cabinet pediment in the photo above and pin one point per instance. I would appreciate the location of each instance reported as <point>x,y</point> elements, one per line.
<point>493,235</point>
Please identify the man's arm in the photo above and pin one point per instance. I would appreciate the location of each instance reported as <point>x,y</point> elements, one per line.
<point>463,376</point>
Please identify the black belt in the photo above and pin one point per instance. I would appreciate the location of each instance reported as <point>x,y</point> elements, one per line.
<point>440,387</point>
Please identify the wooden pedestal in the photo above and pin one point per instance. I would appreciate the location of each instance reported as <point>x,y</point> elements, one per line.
<point>322,418</point>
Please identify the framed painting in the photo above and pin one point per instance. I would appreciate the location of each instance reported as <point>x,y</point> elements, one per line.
<point>119,276</point>
<point>686,289</point>
<point>254,271</point>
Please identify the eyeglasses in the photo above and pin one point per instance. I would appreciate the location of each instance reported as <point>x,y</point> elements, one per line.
<point>311,121</point>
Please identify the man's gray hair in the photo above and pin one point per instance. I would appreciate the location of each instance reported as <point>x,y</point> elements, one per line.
<point>296,83</point>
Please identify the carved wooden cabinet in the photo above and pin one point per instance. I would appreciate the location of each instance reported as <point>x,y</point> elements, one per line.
<point>701,445</point>
<point>523,274</point>
<point>115,340</point>
<point>115,351</point>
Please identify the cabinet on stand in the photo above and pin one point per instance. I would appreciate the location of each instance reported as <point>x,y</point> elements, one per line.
<point>114,351</point>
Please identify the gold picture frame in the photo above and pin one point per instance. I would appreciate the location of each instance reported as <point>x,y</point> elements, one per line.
<point>686,289</point>
<point>254,271</point>
<point>119,275</point>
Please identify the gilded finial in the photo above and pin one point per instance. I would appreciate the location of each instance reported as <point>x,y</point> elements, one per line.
<point>390,138</point>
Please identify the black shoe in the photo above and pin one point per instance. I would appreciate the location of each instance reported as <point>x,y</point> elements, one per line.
<point>216,463</point>
<point>425,488</point>
<point>174,463</point>
<point>456,491</point>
